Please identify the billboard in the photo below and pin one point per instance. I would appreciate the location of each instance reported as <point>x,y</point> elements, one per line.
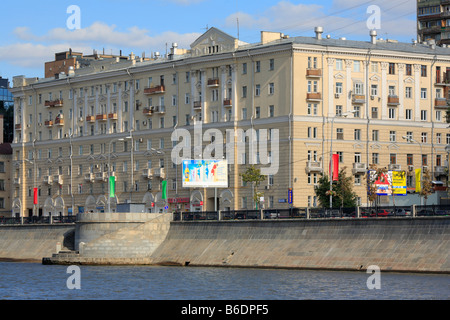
<point>205,173</point>
<point>390,183</point>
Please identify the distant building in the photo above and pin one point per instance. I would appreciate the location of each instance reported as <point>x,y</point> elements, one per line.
<point>5,95</point>
<point>433,21</point>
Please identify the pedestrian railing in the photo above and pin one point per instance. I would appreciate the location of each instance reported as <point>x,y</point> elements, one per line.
<point>37,220</point>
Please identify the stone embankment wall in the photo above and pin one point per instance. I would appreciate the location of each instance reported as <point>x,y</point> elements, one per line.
<point>402,244</point>
<point>33,242</point>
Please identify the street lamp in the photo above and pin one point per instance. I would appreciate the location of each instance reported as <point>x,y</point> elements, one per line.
<point>109,169</point>
<point>340,115</point>
<point>411,140</point>
<point>159,153</point>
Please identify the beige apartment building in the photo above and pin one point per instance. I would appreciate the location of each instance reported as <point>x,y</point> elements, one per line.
<point>373,101</point>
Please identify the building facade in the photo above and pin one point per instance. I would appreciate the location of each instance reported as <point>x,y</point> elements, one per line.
<point>370,102</point>
<point>433,21</point>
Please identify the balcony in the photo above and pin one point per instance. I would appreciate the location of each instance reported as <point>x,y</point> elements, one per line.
<point>394,167</point>
<point>101,117</point>
<point>90,119</point>
<point>314,166</point>
<point>443,80</point>
<point>101,176</point>
<point>16,181</point>
<point>147,173</point>
<point>440,103</point>
<point>18,126</point>
<point>313,73</point>
<point>58,179</point>
<point>160,173</point>
<point>148,111</point>
<point>213,83</point>
<point>112,116</point>
<point>49,123</point>
<point>155,90</point>
<point>439,171</point>
<point>227,103</point>
<point>160,109</point>
<point>197,105</point>
<point>393,100</point>
<point>89,177</point>
<point>59,121</point>
<point>54,103</point>
<point>359,168</point>
<point>358,98</point>
<point>48,180</point>
<point>315,96</point>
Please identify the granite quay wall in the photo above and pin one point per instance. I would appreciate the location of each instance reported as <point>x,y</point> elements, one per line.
<point>395,244</point>
<point>115,238</point>
<point>32,242</point>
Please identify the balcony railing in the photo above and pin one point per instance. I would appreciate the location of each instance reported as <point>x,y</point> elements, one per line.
<point>393,100</point>
<point>89,177</point>
<point>147,173</point>
<point>439,171</point>
<point>101,117</point>
<point>59,121</point>
<point>18,126</point>
<point>313,73</point>
<point>54,103</point>
<point>227,103</point>
<point>313,166</point>
<point>159,172</point>
<point>359,168</point>
<point>315,96</point>
<point>112,116</point>
<point>16,181</point>
<point>358,98</point>
<point>101,176</point>
<point>395,167</point>
<point>49,123</point>
<point>48,179</point>
<point>58,179</point>
<point>440,102</point>
<point>213,83</point>
<point>197,105</point>
<point>90,119</point>
<point>155,90</point>
<point>148,111</point>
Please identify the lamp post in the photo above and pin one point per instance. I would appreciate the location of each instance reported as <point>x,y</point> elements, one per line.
<point>411,140</point>
<point>109,169</point>
<point>343,115</point>
<point>161,152</point>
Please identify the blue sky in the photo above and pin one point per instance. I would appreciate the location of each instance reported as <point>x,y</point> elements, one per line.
<point>32,31</point>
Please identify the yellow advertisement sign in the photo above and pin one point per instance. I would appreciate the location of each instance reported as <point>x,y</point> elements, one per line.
<point>399,183</point>
<point>418,182</point>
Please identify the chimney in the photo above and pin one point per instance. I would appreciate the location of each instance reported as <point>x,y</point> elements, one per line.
<point>373,36</point>
<point>318,31</point>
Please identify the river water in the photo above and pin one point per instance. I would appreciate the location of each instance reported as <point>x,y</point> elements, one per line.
<point>33,281</point>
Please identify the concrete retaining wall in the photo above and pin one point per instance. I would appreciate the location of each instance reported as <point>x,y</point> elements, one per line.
<point>32,243</point>
<point>410,245</point>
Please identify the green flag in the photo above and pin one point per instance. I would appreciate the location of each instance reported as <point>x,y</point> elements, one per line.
<point>112,187</point>
<point>164,190</point>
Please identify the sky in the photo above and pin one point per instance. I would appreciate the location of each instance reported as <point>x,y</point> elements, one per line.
<point>31,32</point>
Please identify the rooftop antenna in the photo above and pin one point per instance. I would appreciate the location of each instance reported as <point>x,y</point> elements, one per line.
<point>237,18</point>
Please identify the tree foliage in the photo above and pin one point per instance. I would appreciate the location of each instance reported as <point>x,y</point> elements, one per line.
<point>343,194</point>
<point>253,175</point>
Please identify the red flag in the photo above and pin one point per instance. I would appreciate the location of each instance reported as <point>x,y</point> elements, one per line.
<point>335,164</point>
<point>35,191</point>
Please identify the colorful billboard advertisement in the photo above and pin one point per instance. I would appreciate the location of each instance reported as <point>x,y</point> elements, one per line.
<point>205,173</point>
<point>390,183</point>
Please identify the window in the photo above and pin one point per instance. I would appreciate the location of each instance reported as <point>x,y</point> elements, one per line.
<point>312,109</point>
<point>391,68</point>
<point>409,135</point>
<point>338,110</point>
<point>408,114</point>
<point>392,90</point>
<point>271,88</point>
<point>244,92</point>
<point>374,113</point>
<point>423,115</point>
<point>257,112</point>
<point>424,137</point>
<point>357,179</point>
<point>374,67</point>
<point>447,139</point>
<point>374,90</point>
<point>357,134</point>
<point>424,160</point>
<point>409,159</point>
<point>312,86</point>
<point>408,69</point>
<point>271,111</point>
<point>340,134</point>
<point>357,113</point>
<point>312,178</point>
<point>312,132</point>
<point>244,68</point>
<point>258,66</point>
<point>257,90</point>
<point>423,71</point>
<point>357,66</point>
<point>393,158</point>
<point>375,157</point>
<point>438,138</point>
<point>359,88</point>
<point>375,135</point>
<point>338,87</point>
<point>392,136</point>
<point>312,62</point>
<point>408,92</point>
<point>357,157</point>
<point>391,113</point>
<point>423,93</point>
<point>272,64</point>
<point>339,64</point>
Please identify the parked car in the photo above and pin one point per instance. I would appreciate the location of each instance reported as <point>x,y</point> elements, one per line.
<point>380,213</point>
<point>425,212</point>
<point>402,212</point>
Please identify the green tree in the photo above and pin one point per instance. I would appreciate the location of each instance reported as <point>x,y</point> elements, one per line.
<point>425,185</point>
<point>343,194</point>
<point>253,175</point>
